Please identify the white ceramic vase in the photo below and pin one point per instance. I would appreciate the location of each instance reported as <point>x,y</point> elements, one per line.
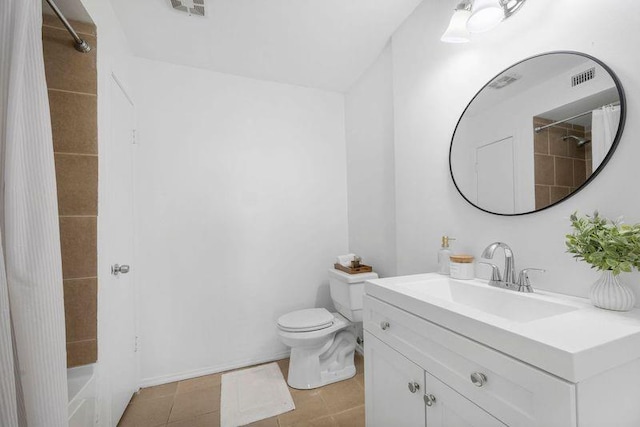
<point>610,293</point>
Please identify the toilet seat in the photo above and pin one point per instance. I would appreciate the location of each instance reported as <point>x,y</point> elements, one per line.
<point>312,319</point>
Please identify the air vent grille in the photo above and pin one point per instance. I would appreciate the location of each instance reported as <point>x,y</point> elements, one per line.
<point>584,76</point>
<point>191,7</point>
<point>504,80</point>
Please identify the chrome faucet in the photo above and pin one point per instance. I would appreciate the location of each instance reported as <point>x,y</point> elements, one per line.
<point>509,264</point>
<point>508,282</point>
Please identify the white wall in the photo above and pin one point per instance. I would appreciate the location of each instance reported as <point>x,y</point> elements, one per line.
<point>242,208</point>
<point>433,83</point>
<point>370,171</point>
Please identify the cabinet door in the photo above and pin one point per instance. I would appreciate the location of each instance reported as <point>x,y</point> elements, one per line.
<point>388,398</point>
<point>450,409</point>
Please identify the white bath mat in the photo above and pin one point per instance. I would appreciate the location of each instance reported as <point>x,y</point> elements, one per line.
<point>252,395</point>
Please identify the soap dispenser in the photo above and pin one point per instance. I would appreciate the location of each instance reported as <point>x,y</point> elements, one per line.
<point>443,255</point>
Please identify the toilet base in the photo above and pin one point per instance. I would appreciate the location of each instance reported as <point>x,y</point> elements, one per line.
<point>315,367</point>
<point>334,377</point>
<point>326,377</point>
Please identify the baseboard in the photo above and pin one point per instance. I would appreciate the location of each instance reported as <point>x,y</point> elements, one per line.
<point>164,379</point>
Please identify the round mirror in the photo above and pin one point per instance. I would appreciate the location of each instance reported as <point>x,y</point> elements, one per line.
<point>537,133</point>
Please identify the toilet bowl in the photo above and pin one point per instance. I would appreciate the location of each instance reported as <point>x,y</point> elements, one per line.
<point>321,352</point>
<point>323,343</point>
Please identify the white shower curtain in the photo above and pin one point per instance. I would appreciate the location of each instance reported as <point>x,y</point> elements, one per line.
<point>33,386</point>
<point>604,126</point>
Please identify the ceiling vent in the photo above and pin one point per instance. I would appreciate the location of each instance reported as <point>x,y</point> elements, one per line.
<point>504,80</point>
<point>584,76</point>
<point>190,7</point>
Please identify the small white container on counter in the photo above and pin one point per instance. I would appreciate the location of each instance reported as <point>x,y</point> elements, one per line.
<point>462,267</point>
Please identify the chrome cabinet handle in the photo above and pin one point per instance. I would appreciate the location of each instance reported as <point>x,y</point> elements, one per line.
<point>119,269</point>
<point>414,386</point>
<point>478,379</point>
<point>429,399</point>
<point>384,325</point>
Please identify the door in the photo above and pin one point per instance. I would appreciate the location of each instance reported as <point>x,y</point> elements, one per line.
<point>117,233</point>
<point>447,408</point>
<point>495,176</point>
<point>393,387</point>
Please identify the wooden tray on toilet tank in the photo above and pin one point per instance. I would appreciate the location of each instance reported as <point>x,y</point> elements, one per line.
<point>362,269</point>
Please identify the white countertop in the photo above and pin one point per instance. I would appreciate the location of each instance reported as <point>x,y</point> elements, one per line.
<point>573,345</point>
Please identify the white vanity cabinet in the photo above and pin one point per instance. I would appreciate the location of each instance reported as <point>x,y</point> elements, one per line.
<point>460,382</point>
<point>398,391</point>
<point>485,356</point>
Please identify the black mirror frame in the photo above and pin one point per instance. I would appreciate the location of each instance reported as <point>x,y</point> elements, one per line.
<point>614,144</point>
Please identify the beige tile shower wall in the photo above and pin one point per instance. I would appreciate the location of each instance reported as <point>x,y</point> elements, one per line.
<point>560,166</point>
<point>71,80</point>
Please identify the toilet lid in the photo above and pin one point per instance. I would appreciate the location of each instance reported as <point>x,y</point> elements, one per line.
<point>311,319</point>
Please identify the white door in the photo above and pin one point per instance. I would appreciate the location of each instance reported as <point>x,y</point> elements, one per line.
<point>119,344</point>
<point>449,409</point>
<point>393,387</point>
<point>495,176</point>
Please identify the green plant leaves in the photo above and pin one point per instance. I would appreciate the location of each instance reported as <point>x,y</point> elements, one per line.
<point>605,244</point>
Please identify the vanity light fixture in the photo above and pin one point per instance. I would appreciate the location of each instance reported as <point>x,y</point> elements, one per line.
<point>477,16</point>
<point>457,30</point>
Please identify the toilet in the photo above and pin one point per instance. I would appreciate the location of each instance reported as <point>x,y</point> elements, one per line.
<point>323,343</point>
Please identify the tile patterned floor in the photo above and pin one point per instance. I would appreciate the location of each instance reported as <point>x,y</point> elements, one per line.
<point>196,403</point>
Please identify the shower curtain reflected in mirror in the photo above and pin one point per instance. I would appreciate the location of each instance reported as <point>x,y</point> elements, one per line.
<point>33,386</point>
<point>604,126</point>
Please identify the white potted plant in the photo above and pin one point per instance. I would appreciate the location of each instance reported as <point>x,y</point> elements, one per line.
<point>611,247</point>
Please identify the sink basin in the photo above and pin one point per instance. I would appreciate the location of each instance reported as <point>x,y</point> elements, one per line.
<point>509,305</point>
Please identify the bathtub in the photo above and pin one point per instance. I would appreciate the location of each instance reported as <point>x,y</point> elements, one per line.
<point>81,383</point>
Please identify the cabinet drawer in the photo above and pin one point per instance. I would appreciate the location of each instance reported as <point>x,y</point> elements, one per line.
<point>514,392</point>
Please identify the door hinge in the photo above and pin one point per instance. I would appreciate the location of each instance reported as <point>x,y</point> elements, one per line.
<point>136,345</point>
<point>133,134</point>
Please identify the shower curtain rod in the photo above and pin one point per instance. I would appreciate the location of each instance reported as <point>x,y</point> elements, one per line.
<point>80,44</point>
<point>541,128</point>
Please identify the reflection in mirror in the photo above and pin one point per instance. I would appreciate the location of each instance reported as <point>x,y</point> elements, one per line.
<point>536,133</point>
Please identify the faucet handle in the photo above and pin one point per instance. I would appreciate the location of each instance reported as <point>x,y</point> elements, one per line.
<point>495,271</point>
<point>524,284</point>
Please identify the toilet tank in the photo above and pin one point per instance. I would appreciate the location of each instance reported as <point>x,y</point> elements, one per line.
<point>347,291</point>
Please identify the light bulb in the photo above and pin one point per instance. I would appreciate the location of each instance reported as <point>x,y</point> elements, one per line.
<point>485,15</point>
